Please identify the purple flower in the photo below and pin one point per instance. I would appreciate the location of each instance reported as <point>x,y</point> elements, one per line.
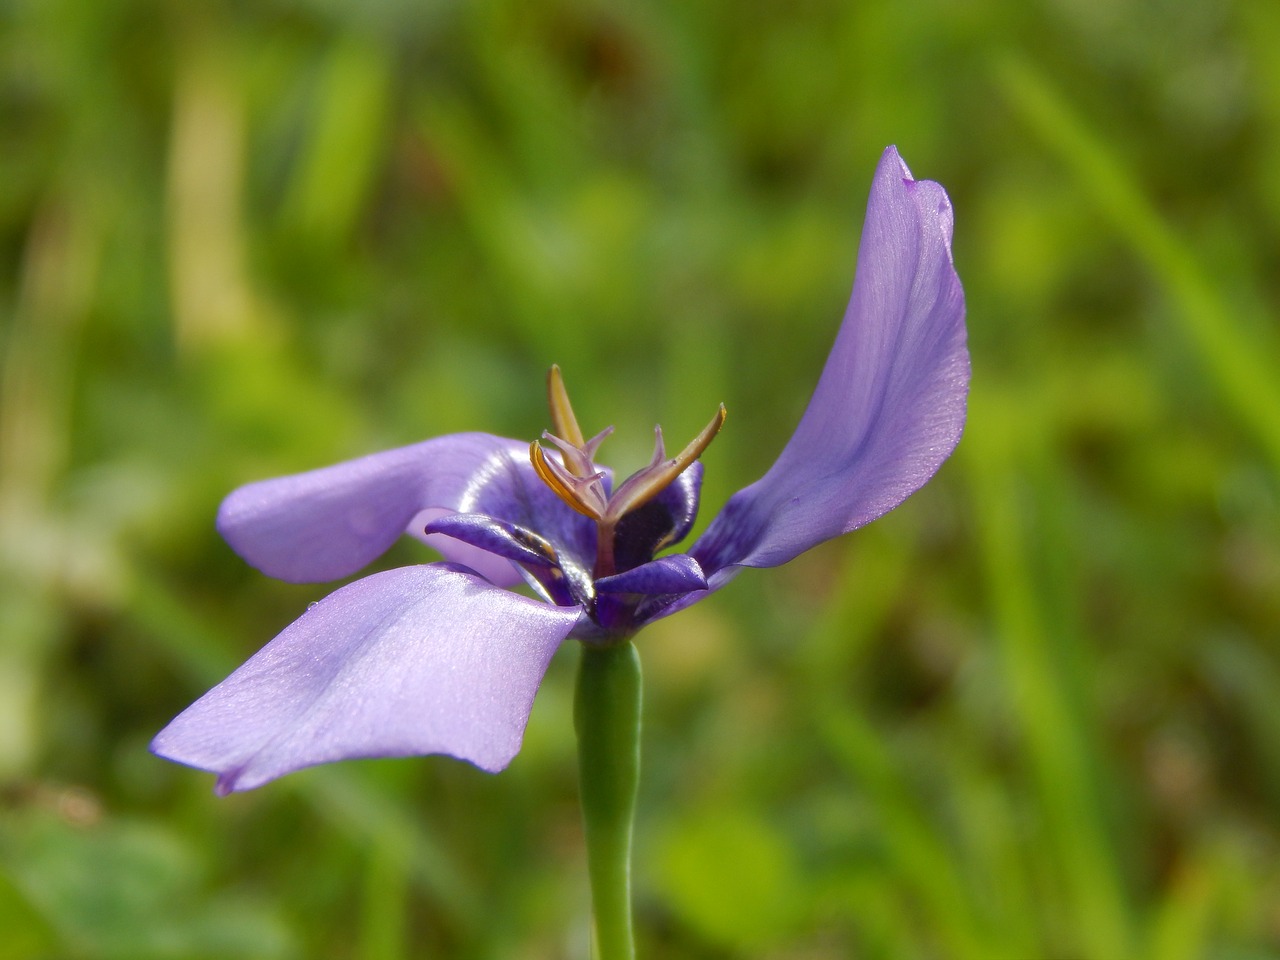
<point>444,658</point>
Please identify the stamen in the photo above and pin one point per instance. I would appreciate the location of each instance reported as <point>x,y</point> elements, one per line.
<point>577,481</point>
<point>579,461</point>
<point>563,422</point>
<point>643,485</point>
<point>592,445</point>
<point>659,448</point>
<point>572,491</point>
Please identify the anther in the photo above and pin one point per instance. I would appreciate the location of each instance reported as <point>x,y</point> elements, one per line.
<point>575,491</point>
<point>643,485</point>
<point>563,422</point>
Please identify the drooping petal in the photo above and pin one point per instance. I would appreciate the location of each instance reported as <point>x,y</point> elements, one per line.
<point>495,537</point>
<point>493,567</point>
<point>328,523</point>
<point>627,601</point>
<point>427,659</point>
<point>676,573</point>
<point>890,404</point>
<point>558,578</point>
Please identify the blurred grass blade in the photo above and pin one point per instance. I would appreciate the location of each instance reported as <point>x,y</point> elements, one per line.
<point>210,289</point>
<point>334,178</point>
<point>1243,371</point>
<point>1180,930</point>
<point>1244,674</point>
<point>384,928</point>
<point>1054,740</point>
<point>59,275</point>
<point>993,849</point>
<point>926,867</point>
<point>922,860</point>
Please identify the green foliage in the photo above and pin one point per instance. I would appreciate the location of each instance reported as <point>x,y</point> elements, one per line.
<point>1033,713</point>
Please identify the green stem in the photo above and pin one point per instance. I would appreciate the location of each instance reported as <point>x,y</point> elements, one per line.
<point>606,715</point>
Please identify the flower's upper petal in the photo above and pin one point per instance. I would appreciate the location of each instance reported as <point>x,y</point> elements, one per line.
<point>426,659</point>
<point>890,405</point>
<point>328,523</point>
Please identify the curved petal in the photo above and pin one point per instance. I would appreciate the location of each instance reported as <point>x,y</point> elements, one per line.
<point>890,405</point>
<point>494,568</point>
<point>428,659</point>
<point>675,573</point>
<point>495,537</point>
<point>557,578</point>
<point>328,523</point>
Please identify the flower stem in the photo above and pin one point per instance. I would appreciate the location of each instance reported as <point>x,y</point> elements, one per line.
<point>606,716</point>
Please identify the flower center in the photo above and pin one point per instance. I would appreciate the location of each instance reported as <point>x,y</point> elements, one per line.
<point>581,484</point>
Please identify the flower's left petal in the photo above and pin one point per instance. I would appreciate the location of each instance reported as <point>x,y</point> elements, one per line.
<point>890,404</point>
<point>328,523</point>
<point>428,659</point>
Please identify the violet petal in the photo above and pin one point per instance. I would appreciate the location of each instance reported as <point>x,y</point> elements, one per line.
<point>890,405</point>
<point>418,660</point>
<point>677,573</point>
<point>558,578</point>
<point>328,523</point>
<point>493,567</point>
<point>496,537</point>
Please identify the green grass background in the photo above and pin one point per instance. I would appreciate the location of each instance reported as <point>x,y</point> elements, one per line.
<point>1033,713</point>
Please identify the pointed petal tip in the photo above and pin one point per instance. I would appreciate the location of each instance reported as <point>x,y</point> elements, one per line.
<point>166,745</point>
<point>563,420</point>
<point>227,784</point>
<point>239,779</point>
